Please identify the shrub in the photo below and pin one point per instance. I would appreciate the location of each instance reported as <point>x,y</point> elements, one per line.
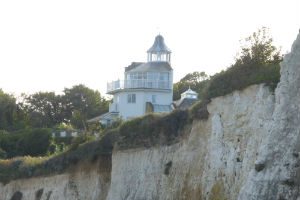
<point>76,141</point>
<point>239,77</point>
<point>33,142</point>
<point>153,129</point>
<point>199,110</point>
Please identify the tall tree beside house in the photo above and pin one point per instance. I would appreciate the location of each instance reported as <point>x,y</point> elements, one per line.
<point>44,109</point>
<point>83,103</point>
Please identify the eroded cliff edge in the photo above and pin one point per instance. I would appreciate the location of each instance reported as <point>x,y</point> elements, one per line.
<point>84,181</point>
<point>248,148</point>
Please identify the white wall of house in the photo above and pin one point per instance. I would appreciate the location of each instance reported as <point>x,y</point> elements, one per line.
<point>129,110</point>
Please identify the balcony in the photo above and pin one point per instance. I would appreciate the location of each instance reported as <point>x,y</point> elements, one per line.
<point>140,83</point>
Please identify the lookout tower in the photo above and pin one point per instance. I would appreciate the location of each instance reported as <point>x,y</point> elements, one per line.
<point>146,87</point>
<point>159,51</point>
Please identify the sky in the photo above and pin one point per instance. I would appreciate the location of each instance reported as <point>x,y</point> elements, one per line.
<point>51,45</point>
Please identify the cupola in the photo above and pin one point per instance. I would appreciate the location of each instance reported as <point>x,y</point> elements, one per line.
<point>159,52</point>
<point>189,94</point>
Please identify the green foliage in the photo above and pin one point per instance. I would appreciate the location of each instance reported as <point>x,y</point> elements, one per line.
<point>10,113</point>
<point>3,154</point>
<point>76,141</point>
<point>259,49</point>
<point>152,129</point>
<point>25,167</point>
<point>83,103</point>
<point>197,81</point>
<point>44,109</point>
<point>239,77</point>
<point>33,142</point>
<point>76,105</point>
<point>199,110</point>
<point>258,62</point>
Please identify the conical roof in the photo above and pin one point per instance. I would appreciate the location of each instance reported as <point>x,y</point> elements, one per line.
<point>189,91</point>
<point>159,46</point>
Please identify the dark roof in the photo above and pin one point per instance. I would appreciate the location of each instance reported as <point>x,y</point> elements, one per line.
<point>184,104</point>
<point>159,46</point>
<point>152,67</point>
<point>133,65</point>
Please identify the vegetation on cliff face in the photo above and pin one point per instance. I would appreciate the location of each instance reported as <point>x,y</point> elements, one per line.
<point>153,129</point>
<point>27,166</point>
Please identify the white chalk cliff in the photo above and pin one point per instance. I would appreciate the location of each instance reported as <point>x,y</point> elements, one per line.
<point>248,148</point>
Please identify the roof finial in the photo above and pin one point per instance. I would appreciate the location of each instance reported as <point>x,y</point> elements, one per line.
<point>158,30</point>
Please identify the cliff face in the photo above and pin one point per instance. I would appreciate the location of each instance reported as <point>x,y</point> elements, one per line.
<point>279,152</point>
<point>248,148</point>
<point>213,161</point>
<point>85,181</point>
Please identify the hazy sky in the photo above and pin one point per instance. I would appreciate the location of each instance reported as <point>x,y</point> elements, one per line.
<point>50,45</point>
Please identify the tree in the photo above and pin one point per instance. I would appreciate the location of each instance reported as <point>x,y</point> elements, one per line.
<point>195,80</point>
<point>8,111</point>
<point>44,109</point>
<point>83,103</point>
<point>33,142</point>
<point>194,77</point>
<point>258,49</point>
<point>258,62</point>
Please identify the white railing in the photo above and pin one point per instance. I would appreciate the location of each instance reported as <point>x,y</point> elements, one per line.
<point>140,83</point>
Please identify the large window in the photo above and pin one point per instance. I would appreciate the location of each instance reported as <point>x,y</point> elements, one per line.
<point>131,98</point>
<point>161,76</point>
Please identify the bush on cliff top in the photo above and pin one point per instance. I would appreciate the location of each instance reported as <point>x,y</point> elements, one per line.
<point>32,142</point>
<point>153,129</point>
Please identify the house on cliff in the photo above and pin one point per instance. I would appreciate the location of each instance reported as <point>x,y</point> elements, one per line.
<point>146,87</point>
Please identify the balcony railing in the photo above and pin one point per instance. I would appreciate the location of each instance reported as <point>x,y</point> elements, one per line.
<point>141,83</point>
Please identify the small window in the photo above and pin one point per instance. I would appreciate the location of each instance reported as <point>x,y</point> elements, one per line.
<point>131,98</point>
<point>153,98</point>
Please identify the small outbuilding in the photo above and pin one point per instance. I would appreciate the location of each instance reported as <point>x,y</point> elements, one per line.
<point>188,98</point>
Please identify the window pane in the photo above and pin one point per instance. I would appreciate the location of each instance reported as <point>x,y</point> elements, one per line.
<point>153,98</point>
<point>131,98</point>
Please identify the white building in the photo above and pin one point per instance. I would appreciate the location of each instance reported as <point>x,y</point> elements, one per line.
<point>188,98</point>
<point>146,87</point>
